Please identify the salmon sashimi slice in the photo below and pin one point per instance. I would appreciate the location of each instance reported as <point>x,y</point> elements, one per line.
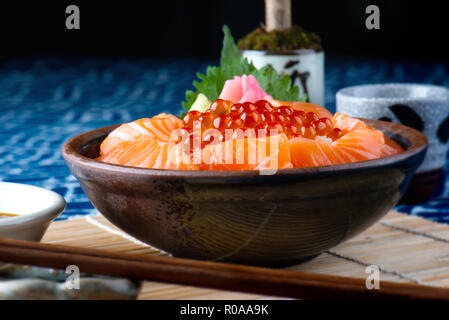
<point>160,127</point>
<point>251,153</point>
<point>357,145</point>
<point>391,147</point>
<point>346,123</point>
<point>238,154</point>
<point>146,152</point>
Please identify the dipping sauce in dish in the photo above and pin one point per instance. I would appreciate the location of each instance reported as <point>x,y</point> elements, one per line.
<point>7,215</point>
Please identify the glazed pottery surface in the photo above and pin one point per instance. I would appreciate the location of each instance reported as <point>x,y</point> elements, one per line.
<point>242,216</point>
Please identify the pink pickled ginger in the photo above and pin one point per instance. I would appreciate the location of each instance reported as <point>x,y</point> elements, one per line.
<point>243,89</point>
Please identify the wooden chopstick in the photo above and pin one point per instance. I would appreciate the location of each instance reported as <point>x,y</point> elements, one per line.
<point>276,282</point>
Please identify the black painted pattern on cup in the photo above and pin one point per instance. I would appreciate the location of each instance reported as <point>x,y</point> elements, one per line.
<point>443,130</point>
<point>407,116</point>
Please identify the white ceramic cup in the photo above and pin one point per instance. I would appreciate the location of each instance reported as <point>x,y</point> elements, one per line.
<point>420,106</point>
<point>305,67</point>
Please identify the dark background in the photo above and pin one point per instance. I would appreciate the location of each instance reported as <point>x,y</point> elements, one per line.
<point>410,30</point>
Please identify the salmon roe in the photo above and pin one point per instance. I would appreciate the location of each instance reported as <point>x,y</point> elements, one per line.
<point>263,117</point>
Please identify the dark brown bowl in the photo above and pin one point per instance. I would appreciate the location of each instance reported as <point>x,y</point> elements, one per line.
<point>241,216</point>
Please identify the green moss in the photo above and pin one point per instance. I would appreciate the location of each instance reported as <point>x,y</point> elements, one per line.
<point>280,41</point>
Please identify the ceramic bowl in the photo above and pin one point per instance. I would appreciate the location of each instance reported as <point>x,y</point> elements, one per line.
<point>36,209</point>
<point>242,216</point>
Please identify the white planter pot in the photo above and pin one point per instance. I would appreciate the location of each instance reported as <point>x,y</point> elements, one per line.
<point>305,67</point>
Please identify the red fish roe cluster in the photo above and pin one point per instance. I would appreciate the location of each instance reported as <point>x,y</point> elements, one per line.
<point>261,115</point>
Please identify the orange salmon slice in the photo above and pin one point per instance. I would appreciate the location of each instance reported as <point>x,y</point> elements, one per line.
<point>347,124</point>
<point>160,127</point>
<point>263,153</point>
<point>357,145</point>
<point>146,152</point>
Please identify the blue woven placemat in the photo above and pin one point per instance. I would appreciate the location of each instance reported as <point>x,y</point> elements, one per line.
<point>45,101</point>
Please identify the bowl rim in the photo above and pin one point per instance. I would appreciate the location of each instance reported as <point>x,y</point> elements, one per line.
<point>70,152</point>
<point>39,216</point>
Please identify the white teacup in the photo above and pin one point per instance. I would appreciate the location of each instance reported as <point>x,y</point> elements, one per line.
<point>420,106</point>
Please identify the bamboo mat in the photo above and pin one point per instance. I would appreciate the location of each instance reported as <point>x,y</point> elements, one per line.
<point>405,248</point>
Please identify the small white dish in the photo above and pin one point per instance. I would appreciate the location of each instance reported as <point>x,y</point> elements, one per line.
<point>35,207</point>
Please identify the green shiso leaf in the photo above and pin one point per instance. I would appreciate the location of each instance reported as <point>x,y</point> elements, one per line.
<point>233,64</point>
